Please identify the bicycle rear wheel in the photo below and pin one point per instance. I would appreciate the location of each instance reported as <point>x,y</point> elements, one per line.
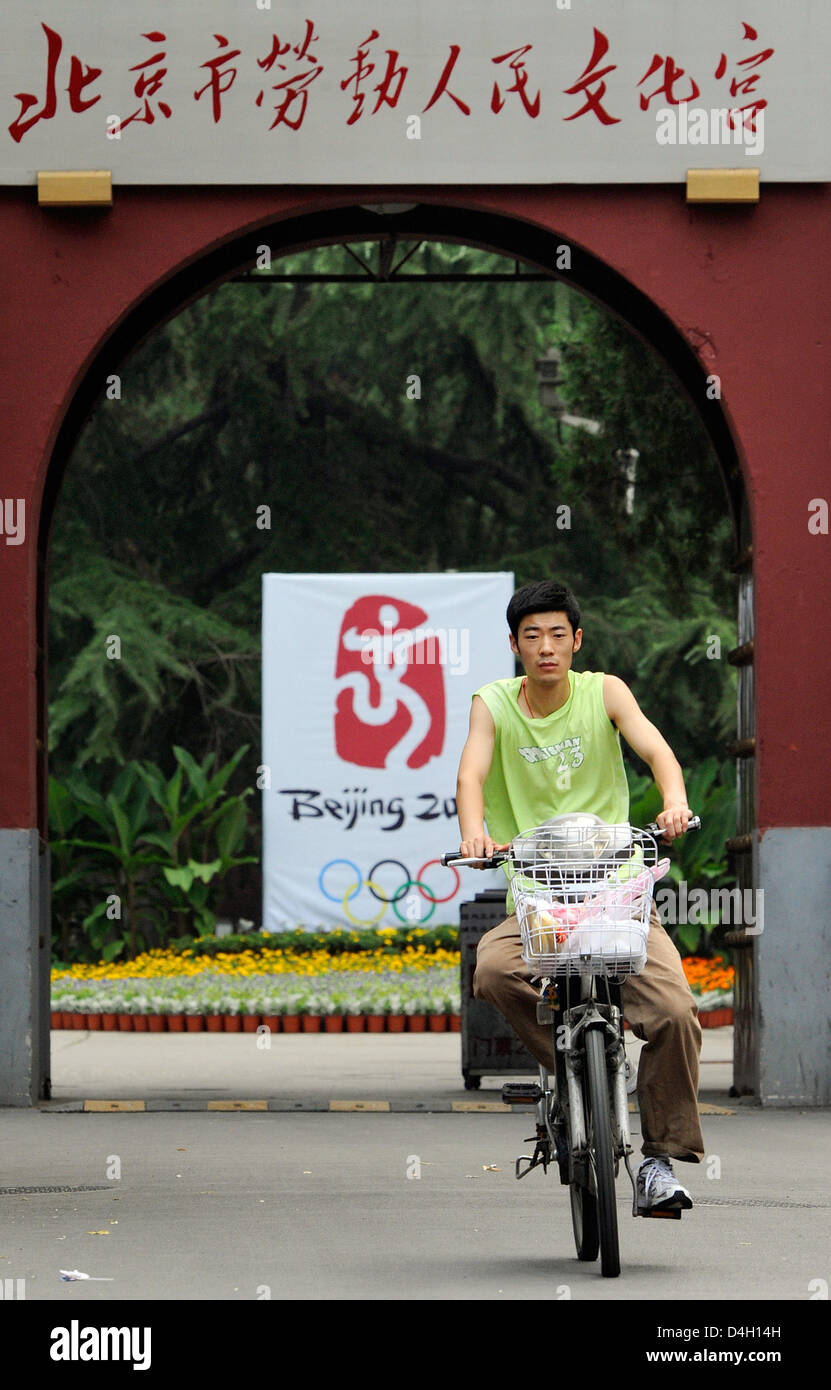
<point>599,1129</point>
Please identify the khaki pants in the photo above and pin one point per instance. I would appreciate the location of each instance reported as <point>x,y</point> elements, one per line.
<point>659,1007</point>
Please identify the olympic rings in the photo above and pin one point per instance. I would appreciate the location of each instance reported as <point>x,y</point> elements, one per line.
<point>414,883</point>
<point>361,921</point>
<point>453,891</point>
<point>377,891</point>
<point>356,887</point>
<point>399,865</point>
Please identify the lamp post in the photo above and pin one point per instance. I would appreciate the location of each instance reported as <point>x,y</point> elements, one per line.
<point>628,458</point>
<point>548,380</point>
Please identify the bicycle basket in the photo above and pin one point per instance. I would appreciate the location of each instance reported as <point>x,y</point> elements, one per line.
<point>582,891</point>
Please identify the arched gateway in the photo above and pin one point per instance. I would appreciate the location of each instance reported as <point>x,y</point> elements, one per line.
<point>722,272</point>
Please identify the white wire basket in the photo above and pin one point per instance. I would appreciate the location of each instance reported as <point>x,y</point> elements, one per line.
<point>582,891</point>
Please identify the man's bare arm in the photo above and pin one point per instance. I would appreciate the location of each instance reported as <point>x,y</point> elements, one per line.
<point>474,766</point>
<point>649,744</point>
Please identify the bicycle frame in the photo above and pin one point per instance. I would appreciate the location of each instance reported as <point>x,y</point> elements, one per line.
<point>563,1089</point>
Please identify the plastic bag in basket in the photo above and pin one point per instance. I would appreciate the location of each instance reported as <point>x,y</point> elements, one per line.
<point>616,900</point>
<point>623,941</point>
<point>550,924</point>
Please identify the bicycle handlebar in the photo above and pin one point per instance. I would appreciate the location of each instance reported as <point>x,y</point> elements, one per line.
<point>495,861</point>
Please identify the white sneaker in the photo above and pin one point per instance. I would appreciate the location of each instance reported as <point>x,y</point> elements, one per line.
<point>658,1188</point>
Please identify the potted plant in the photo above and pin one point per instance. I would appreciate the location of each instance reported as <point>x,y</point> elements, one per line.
<point>309,1010</point>
<point>414,1009</point>
<point>396,1018</point>
<point>175,1012</point>
<point>159,1005</point>
<point>333,1014</point>
<point>56,1012</point>
<point>376,1014</point>
<point>93,1015</point>
<point>232,1022</point>
<point>272,1012</point>
<point>354,1016</point>
<point>251,1021</point>
<point>79,1009</point>
<point>125,1011</point>
<point>290,1019</point>
<point>194,1017</point>
<point>110,1004</point>
<point>437,1017</point>
<point>139,1012</point>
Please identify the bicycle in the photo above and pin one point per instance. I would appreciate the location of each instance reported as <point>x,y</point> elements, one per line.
<point>582,893</point>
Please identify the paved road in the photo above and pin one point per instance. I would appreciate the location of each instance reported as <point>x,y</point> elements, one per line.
<point>320,1205</point>
<point>194,1066</point>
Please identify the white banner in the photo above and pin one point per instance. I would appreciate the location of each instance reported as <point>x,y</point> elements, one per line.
<point>367,684</point>
<point>477,91</point>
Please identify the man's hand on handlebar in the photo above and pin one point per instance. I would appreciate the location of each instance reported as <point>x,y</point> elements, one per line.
<point>673,820</point>
<point>480,847</point>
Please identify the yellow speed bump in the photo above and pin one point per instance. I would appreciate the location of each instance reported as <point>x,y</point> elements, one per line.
<point>114,1105</point>
<point>359,1105</point>
<point>237,1104</point>
<point>479,1105</point>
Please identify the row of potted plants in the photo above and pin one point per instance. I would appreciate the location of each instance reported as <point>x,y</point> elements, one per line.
<point>432,991</point>
<point>251,1023</point>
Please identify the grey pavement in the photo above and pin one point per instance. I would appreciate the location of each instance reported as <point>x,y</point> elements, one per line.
<point>378,1206</point>
<point>320,1206</point>
<point>299,1066</point>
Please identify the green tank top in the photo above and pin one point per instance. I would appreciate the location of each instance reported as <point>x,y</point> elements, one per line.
<point>569,761</point>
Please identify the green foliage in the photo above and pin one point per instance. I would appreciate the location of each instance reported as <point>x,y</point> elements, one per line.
<point>699,858</point>
<point>191,817</point>
<point>171,651</point>
<point>294,396</point>
<point>113,865</point>
<point>337,941</point>
<point>201,818</point>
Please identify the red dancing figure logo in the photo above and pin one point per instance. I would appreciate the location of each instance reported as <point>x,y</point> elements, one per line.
<point>390,704</point>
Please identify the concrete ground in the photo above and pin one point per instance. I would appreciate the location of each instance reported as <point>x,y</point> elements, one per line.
<point>298,1066</point>
<point>392,1205</point>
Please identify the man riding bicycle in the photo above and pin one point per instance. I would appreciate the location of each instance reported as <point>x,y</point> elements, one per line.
<point>548,743</point>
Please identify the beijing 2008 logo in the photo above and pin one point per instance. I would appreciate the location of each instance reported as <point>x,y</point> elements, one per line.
<point>390,703</point>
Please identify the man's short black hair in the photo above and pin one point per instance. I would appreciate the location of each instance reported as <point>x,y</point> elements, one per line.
<point>546,596</point>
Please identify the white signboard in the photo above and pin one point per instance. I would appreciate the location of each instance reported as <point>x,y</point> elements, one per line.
<point>413,91</point>
<point>367,684</point>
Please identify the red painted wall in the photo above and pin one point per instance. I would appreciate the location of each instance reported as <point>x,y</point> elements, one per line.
<point>747,286</point>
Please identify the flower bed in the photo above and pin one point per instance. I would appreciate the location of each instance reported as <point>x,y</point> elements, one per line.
<point>434,990</point>
<point>711,981</point>
<point>165,964</point>
<point>420,981</point>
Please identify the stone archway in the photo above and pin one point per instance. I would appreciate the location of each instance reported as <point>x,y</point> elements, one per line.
<point>87,287</point>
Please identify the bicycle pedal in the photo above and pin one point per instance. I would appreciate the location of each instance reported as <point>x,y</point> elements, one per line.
<point>673,1214</point>
<point>521,1093</point>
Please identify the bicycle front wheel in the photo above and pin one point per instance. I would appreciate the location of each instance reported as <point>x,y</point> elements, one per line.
<point>599,1129</point>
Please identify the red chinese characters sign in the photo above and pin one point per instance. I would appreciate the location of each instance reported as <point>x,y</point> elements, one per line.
<point>533,92</point>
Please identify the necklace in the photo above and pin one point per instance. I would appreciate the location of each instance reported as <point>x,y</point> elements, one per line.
<point>527,701</point>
